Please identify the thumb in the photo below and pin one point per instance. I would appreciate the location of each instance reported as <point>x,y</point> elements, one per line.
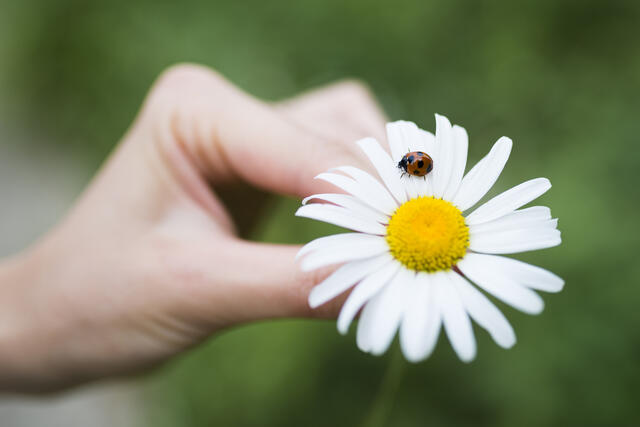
<point>263,281</point>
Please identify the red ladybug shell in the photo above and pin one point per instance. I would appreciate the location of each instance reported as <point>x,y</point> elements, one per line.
<point>416,163</point>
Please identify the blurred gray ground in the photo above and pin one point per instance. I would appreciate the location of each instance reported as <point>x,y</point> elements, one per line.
<point>36,188</point>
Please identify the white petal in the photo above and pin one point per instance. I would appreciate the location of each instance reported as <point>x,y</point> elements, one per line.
<point>421,322</point>
<point>327,242</point>
<point>428,145</point>
<point>509,201</point>
<point>343,278</point>
<point>351,203</point>
<point>526,274</point>
<point>388,307</point>
<point>377,194</point>
<point>341,217</point>
<point>518,240</point>
<point>443,162</point>
<point>403,137</point>
<point>461,144</point>
<point>363,292</point>
<point>422,185</point>
<point>428,190</point>
<point>508,290</point>
<point>351,186</point>
<point>365,332</point>
<point>428,142</point>
<point>483,175</point>
<point>510,223</point>
<point>387,168</point>
<point>356,249</point>
<point>411,185</point>
<point>485,313</point>
<point>535,216</point>
<point>454,317</point>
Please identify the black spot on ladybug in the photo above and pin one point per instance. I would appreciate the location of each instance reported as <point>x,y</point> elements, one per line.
<point>430,167</point>
<point>420,164</point>
<point>410,159</point>
<point>416,172</point>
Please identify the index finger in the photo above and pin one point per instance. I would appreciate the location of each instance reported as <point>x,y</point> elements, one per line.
<point>230,135</point>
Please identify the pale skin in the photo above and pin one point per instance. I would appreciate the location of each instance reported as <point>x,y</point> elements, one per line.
<point>148,262</point>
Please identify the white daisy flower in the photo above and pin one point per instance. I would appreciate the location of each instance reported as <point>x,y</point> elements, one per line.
<point>415,253</point>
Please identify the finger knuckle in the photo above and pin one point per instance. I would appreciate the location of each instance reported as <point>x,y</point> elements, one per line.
<point>177,94</point>
<point>357,90</point>
<point>186,75</point>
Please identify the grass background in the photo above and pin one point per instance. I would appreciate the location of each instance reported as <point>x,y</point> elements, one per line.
<point>561,77</point>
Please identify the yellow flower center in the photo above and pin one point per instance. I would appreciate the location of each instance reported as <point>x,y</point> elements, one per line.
<point>427,234</point>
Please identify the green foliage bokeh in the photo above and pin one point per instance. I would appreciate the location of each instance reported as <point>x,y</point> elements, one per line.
<point>560,77</point>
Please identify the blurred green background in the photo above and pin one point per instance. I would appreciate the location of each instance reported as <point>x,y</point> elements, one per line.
<point>562,78</point>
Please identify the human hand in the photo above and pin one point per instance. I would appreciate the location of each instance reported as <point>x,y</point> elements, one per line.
<point>148,262</point>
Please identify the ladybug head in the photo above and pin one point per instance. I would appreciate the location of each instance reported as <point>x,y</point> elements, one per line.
<point>402,164</point>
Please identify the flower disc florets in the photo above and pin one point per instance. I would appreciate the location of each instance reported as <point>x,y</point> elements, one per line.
<point>428,234</point>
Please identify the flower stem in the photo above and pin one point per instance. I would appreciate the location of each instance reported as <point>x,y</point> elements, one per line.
<point>382,404</point>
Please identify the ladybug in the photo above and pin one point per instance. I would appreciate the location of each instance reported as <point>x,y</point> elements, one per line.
<point>416,163</point>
